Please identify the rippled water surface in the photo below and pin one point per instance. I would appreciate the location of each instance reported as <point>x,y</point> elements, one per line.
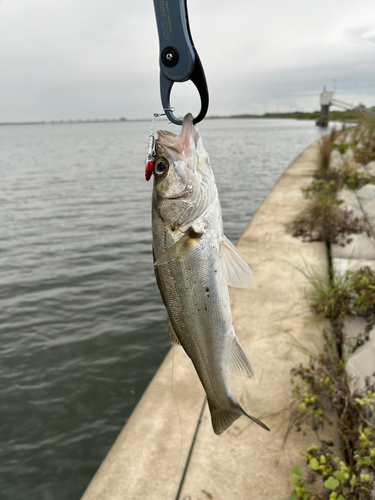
<point>82,326</point>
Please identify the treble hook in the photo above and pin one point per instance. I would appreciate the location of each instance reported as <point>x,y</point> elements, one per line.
<point>179,60</point>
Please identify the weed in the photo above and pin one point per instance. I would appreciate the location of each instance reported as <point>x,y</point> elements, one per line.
<point>330,297</point>
<point>323,189</point>
<point>341,481</point>
<point>326,390</point>
<point>324,153</point>
<point>334,134</point>
<point>353,178</point>
<point>341,147</point>
<point>361,284</point>
<point>364,154</point>
<point>324,220</point>
<point>325,386</point>
<point>350,295</point>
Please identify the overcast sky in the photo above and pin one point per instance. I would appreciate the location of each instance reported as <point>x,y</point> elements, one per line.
<point>99,59</point>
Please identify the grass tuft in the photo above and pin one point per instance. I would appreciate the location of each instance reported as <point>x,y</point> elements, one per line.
<point>325,151</point>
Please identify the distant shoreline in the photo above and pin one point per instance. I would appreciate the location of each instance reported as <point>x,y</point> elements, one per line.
<point>296,115</point>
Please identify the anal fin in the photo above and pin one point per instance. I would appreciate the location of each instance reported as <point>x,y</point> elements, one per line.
<point>239,362</point>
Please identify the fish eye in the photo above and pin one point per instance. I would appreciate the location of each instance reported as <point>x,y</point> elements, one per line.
<point>161,167</point>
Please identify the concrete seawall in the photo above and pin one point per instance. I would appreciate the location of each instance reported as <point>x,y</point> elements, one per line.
<point>167,449</point>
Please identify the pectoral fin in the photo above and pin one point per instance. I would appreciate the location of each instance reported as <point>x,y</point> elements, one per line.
<point>236,269</point>
<point>180,248</point>
<point>173,339</point>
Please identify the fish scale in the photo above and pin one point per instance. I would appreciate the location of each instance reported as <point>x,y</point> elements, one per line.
<point>186,292</point>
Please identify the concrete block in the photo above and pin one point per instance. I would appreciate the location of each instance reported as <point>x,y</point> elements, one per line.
<point>359,168</point>
<point>341,265</point>
<point>371,221</point>
<point>366,193</point>
<point>336,160</point>
<point>361,365</point>
<point>366,197</point>
<point>360,247</point>
<point>370,168</point>
<point>354,326</point>
<point>368,207</point>
<point>350,202</point>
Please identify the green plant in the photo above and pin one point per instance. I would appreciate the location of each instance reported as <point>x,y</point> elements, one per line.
<point>361,284</point>
<point>299,485</point>
<point>324,190</point>
<point>325,392</point>
<point>322,394</point>
<point>341,147</point>
<point>330,297</point>
<point>324,220</point>
<point>365,154</point>
<point>341,481</point>
<point>324,153</point>
<point>335,296</point>
<point>351,177</point>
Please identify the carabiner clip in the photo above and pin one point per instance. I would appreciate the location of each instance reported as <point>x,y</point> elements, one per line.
<point>179,60</point>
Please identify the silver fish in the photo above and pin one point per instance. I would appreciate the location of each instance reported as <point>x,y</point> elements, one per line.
<point>194,264</point>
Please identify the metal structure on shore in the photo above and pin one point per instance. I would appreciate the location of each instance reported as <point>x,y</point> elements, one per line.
<point>327,100</point>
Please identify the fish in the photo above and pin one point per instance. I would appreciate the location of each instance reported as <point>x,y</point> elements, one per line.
<point>194,264</point>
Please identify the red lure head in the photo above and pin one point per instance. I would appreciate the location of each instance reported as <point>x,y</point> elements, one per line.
<point>149,169</point>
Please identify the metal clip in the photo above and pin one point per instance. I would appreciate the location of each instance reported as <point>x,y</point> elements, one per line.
<point>151,152</point>
<point>179,60</point>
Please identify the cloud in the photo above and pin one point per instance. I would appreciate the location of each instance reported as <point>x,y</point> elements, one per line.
<point>362,34</point>
<point>93,59</point>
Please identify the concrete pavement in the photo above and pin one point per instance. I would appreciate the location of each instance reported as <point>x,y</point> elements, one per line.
<point>149,457</point>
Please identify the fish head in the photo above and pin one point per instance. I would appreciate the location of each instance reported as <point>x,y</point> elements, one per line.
<point>182,172</point>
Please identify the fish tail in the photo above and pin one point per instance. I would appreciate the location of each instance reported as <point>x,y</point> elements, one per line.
<point>222,418</point>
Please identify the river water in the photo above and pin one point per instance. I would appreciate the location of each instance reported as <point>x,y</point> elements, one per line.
<point>82,325</point>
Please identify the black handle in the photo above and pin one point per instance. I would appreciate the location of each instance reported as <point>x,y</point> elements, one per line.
<point>179,60</point>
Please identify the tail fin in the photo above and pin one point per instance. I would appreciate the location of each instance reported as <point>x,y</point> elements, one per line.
<point>222,418</point>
